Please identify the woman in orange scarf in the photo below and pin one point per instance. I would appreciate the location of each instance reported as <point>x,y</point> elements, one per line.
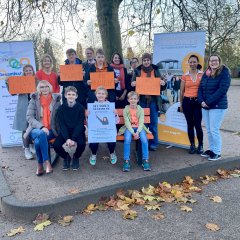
<point>41,118</point>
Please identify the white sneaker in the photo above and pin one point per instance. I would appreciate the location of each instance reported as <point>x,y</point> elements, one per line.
<point>32,149</point>
<point>93,159</point>
<point>113,158</point>
<point>28,154</point>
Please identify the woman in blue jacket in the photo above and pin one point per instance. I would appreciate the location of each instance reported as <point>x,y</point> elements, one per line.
<point>212,95</point>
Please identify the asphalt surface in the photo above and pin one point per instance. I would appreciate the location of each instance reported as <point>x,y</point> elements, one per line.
<point>177,224</point>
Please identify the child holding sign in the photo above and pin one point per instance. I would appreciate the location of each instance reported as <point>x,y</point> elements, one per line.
<point>101,95</point>
<point>134,127</point>
<point>100,66</point>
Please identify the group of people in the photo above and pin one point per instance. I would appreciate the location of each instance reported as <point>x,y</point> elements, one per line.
<point>46,115</point>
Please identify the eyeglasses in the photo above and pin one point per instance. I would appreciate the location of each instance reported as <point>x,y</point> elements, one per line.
<point>215,60</point>
<point>44,86</point>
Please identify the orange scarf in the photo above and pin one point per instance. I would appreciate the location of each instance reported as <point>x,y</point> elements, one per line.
<point>45,104</point>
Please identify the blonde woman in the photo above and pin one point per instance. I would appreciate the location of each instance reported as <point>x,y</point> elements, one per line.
<point>46,73</point>
<point>42,126</point>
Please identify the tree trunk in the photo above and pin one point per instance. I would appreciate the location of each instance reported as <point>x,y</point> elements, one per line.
<point>107,15</point>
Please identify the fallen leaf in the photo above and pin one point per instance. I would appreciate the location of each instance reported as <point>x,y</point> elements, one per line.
<point>139,201</point>
<point>216,199</point>
<point>15,231</point>
<point>152,207</point>
<point>66,221</point>
<point>120,194</point>
<point>166,184</point>
<point>212,226</point>
<point>195,189</point>
<point>121,206</point>
<point>136,194</point>
<point>150,190</point>
<point>158,216</point>
<point>41,217</point>
<point>235,175</point>
<point>129,200</point>
<point>223,173</point>
<point>182,199</point>
<point>185,208</point>
<point>149,198</point>
<point>192,200</point>
<point>91,207</point>
<point>176,193</point>
<point>188,180</point>
<point>102,207</point>
<point>41,226</point>
<point>129,214</point>
<point>74,190</point>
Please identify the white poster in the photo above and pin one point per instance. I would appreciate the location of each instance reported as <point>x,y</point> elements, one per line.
<point>13,56</point>
<point>101,122</point>
<point>171,54</point>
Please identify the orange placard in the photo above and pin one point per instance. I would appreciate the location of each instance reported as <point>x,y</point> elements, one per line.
<point>22,84</point>
<point>72,72</point>
<point>105,79</point>
<point>148,86</point>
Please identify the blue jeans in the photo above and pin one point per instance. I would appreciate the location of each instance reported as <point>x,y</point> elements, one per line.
<point>127,143</point>
<point>153,126</point>
<point>41,139</point>
<point>213,119</point>
<point>175,95</point>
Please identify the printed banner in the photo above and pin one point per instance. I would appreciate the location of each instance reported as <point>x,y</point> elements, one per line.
<point>13,56</point>
<point>72,72</point>
<point>101,122</point>
<point>171,53</point>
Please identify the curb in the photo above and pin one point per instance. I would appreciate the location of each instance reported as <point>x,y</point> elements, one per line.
<point>27,211</point>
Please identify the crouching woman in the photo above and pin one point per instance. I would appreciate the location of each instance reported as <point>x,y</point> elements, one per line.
<point>41,119</point>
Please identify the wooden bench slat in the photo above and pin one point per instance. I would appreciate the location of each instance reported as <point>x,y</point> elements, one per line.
<point>121,137</point>
<point>146,120</point>
<point>146,112</point>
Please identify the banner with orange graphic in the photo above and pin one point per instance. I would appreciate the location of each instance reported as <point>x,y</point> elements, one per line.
<point>171,54</point>
<point>13,56</point>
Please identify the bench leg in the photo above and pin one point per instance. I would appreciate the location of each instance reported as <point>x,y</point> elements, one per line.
<point>56,156</point>
<point>139,152</point>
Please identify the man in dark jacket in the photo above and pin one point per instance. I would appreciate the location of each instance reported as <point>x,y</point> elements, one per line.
<point>79,85</point>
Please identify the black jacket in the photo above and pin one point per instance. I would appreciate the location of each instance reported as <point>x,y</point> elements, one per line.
<point>213,91</point>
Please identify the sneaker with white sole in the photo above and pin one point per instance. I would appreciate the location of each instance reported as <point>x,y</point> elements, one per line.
<point>113,158</point>
<point>32,149</point>
<point>93,159</point>
<point>214,157</point>
<point>207,153</point>
<point>28,154</point>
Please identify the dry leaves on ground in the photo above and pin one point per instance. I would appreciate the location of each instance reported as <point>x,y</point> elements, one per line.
<point>15,231</point>
<point>185,208</point>
<point>216,199</point>
<point>212,226</point>
<point>74,191</point>
<point>129,214</point>
<point>41,226</point>
<point>158,216</point>
<point>65,221</point>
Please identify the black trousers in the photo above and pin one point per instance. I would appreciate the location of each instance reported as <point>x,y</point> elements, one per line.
<point>193,114</point>
<point>59,149</point>
<point>94,147</point>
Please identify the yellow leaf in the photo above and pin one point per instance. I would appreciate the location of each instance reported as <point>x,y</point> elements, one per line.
<point>167,185</point>
<point>66,221</point>
<point>149,198</point>
<point>176,193</point>
<point>192,200</point>
<point>91,207</point>
<point>148,191</point>
<point>129,200</point>
<point>122,206</point>
<point>216,199</point>
<point>152,207</point>
<point>42,225</point>
<point>129,214</point>
<point>136,194</point>
<point>158,216</point>
<point>195,189</point>
<point>185,208</point>
<point>188,180</point>
<point>15,231</point>
<point>212,226</point>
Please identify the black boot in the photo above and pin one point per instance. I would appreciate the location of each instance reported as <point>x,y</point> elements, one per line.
<point>75,163</point>
<point>66,163</point>
<point>192,149</point>
<point>200,149</point>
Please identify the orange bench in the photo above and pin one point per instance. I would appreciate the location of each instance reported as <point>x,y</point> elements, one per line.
<point>138,149</point>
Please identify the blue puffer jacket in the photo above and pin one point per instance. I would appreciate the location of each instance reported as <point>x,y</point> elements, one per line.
<point>213,91</point>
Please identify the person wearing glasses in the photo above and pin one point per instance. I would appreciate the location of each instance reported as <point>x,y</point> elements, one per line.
<point>212,95</point>
<point>42,125</point>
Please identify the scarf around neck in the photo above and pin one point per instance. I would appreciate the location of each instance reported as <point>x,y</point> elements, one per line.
<point>147,70</point>
<point>46,114</point>
<point>121,78</point>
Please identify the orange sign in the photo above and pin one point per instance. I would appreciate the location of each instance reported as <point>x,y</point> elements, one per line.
<point>22,84</point>
<point>72,72</point>
<point>105,79</point>
<point>148,86</point>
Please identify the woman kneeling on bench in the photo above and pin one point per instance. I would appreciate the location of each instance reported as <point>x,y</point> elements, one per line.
<point>41,118</point>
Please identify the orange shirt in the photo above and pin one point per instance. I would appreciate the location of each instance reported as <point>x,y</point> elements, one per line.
<point>191,87</point>
<point>104,69</point>
<point>144,74</point>
<point>51,78</point>
<point>134,118</point>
